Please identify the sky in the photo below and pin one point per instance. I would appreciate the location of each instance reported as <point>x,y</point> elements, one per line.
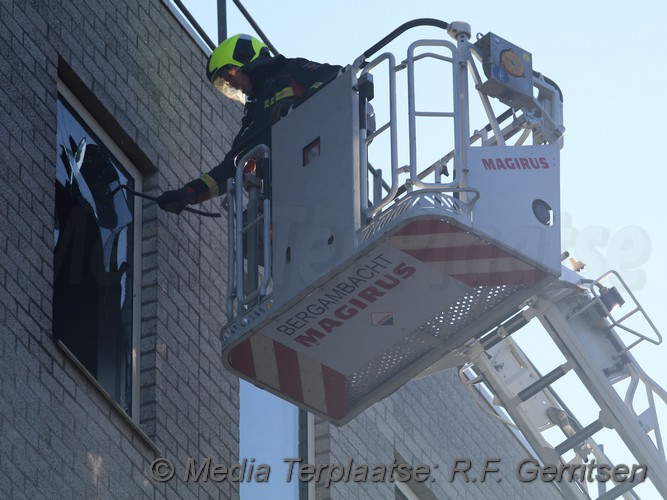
<point>607,59</point>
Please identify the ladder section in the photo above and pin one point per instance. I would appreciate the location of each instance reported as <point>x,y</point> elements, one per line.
<point>577,316</point>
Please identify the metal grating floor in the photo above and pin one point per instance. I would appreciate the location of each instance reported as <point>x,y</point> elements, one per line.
<point>390,362</point>
<point>467,309</point>
<point>443,326</point>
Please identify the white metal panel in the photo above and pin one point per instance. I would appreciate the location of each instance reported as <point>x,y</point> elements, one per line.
<point>315,200</point>
<point>512,181</point>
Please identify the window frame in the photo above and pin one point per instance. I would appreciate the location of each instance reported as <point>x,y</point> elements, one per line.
<point>137,177</point>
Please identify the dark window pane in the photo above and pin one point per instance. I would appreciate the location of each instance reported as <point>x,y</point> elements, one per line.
<point>92,298</point>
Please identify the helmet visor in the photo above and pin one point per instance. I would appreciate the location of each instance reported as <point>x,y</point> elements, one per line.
<point>221,81</point>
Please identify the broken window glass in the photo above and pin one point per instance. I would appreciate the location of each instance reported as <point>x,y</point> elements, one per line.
<point>92,295</point>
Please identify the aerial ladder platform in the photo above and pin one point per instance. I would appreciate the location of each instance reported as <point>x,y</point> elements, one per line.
<point>364,261</point>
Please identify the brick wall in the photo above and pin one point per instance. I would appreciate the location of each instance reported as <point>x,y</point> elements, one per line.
<point>431,421</point>
<point>141,75</point>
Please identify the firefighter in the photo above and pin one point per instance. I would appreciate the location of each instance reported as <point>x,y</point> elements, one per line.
<point>242,66</point>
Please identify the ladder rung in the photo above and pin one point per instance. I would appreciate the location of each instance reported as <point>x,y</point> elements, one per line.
<point>543,382</point>
<point>579,437</point>
<point>508,327</point>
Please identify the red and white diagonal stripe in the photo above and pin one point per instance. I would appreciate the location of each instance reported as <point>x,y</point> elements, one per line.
<point>463,255</point>
<point>293,374</point>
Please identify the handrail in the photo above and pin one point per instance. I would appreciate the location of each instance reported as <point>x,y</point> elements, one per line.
<point>231,249</point>
<point>392,125</point>
<point>195,25</point>
<point>413,113</point>
<point>237,229</point>
<point>459,58</point>
<point>255,26</point>
<point>638,308</point>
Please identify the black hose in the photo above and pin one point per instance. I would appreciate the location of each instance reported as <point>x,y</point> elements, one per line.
<point>153,198</point>
<point>401,29</point>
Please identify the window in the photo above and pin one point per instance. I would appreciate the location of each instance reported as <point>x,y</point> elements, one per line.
<point>97,253</point>
<point>269,429</point>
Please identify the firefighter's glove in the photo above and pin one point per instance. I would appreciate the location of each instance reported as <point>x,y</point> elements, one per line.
<point>176,200</point>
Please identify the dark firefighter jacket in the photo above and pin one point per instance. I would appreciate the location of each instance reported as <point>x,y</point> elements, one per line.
<point>277,83</point>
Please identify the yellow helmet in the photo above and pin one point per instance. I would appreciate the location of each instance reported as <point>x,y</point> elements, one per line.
<point>237,50</point>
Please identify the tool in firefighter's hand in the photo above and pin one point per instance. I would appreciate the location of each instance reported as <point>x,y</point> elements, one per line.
<point>153,198</point>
